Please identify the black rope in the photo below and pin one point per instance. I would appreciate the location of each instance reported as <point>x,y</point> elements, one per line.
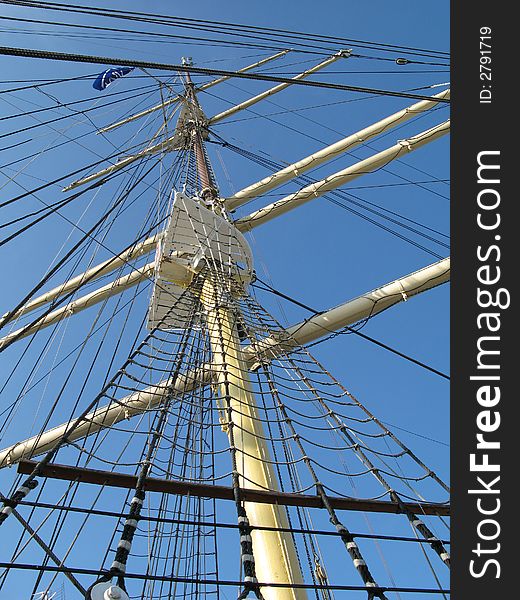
<point>272,290</point>
<point>83,58</point>
<point>222,27</point>
<point>146,576</point>
<point>345,535</point>
<point>124,546</point>
<point>296,530</point>
<point>250,583</point>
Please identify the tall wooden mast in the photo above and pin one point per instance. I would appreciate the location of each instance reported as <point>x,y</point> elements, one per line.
<point>275,557</point>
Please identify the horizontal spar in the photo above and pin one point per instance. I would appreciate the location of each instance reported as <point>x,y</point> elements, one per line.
<point>353,311</point>
<point>105,416</point>
<point>164,146</point>
<point>91,274</point>
<point>220,492</point>
<point>278,88</point>
<point>302,333</point>
<point>201,88</point>
<point>330,152</point>
<point>142,64</point>
<point>115,287</point>
<point>334,181</point>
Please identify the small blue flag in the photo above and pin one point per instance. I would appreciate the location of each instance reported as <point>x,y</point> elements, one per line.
<point>104,79</point>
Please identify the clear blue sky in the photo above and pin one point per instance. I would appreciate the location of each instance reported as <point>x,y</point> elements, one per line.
<point>320,254</point>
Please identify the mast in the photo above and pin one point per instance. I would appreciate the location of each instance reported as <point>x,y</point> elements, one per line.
<point>214,358</point>
<point>275,557</point>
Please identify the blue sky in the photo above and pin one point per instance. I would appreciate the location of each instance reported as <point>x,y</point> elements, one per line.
<point>319,254</point>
